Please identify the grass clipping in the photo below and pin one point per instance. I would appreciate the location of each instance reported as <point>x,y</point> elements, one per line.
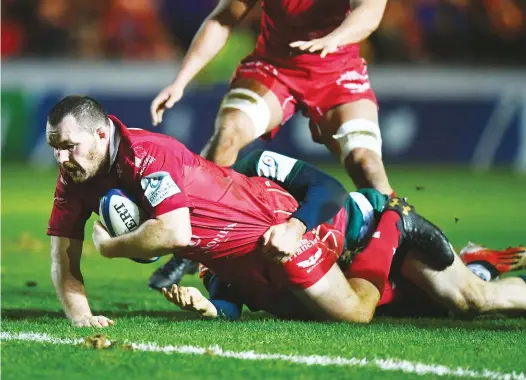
<point>101,342</point>
<point>98,342</point>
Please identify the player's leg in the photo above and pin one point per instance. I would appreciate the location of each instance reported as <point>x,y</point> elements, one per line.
<point>171,273</point>
<point>257,103</point>
<point>356,302</point>
<point>351,132</point>
<point>344,117</point>
<point>222,301</point>
<point>334,297</point>
<point>457,288</point>
<point>190,299</point>
<point>317,281</point>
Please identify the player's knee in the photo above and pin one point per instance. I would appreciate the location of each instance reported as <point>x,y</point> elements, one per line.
<point>243,113</point>
<point>356,315</point>
<point>360,309</point>
<point>362,316</point>
<point>360,142</point>
<point>233,129</point>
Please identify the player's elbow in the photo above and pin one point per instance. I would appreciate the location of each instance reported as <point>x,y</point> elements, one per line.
<point>182,239</point>
<point>171,238</point>
<point>172,230</point>
<point>372,25</point>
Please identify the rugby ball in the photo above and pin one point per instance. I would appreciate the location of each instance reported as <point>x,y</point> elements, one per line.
<point>121,215</point>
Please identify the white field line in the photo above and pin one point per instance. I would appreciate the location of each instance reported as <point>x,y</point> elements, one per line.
<point>380,364</point>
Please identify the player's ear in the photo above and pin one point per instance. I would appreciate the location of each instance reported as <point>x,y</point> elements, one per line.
<point>103,132</point>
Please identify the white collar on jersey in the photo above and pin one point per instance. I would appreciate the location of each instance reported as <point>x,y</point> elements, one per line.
<point>115,139</point>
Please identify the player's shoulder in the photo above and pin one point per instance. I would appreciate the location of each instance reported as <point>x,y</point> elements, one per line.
<point>143,142</point>
<point>130,135</point>
<point>145,137</point>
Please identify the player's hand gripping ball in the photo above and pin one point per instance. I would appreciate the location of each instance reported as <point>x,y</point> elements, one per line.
<point>120,215</point>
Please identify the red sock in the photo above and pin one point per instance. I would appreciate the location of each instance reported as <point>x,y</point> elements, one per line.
<point>393,194</point>
<point>374,262</point>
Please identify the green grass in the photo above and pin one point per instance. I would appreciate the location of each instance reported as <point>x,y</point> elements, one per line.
<point>489,209</point>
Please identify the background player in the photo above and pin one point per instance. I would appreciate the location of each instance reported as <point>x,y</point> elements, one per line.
<point>306,58</point>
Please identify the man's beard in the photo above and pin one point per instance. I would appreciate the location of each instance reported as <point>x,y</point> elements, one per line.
<point>79,174</point>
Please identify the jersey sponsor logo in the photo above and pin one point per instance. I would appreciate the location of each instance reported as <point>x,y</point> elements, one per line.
<point>275,166</point>
<point>354,81</point>
<point>312,262</point>
<point>220,237</point>
<point>353,76</point>
<point>194,241</point>
<point>142,160</point>
<point>304,245</point>
<point>146,162</point>
<point>139,153</point>
<point>158,186</point>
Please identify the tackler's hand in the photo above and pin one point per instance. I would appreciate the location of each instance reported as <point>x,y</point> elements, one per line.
<point>282,241</point>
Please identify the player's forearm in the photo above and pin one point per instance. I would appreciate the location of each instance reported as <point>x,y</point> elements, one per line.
<point>151,239</point>
<point>320,196</point>
<point>70,291</point>
<point>364,19</point>
<point>207,43</point>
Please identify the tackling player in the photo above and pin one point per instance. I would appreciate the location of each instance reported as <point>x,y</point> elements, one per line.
<point>410,301</point>
<point>201,211</point>
<point>365,208</point>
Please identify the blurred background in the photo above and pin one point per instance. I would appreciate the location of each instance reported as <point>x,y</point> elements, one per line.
<point>450,75</point>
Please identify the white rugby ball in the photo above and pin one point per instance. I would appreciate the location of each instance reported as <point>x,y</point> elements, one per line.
<point>120,215</point>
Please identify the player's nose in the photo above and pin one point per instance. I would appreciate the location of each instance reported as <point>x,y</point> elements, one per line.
<point>62,156</point>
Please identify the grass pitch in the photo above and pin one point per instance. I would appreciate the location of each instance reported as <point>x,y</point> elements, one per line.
<point>487,208</point>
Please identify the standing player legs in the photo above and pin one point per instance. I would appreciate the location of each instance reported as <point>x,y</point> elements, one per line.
<point>358,144</point>
<point>247,111</point>
<point>458,289</point>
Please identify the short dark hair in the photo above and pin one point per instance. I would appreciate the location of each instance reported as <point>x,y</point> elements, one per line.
<point>87,111</point>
